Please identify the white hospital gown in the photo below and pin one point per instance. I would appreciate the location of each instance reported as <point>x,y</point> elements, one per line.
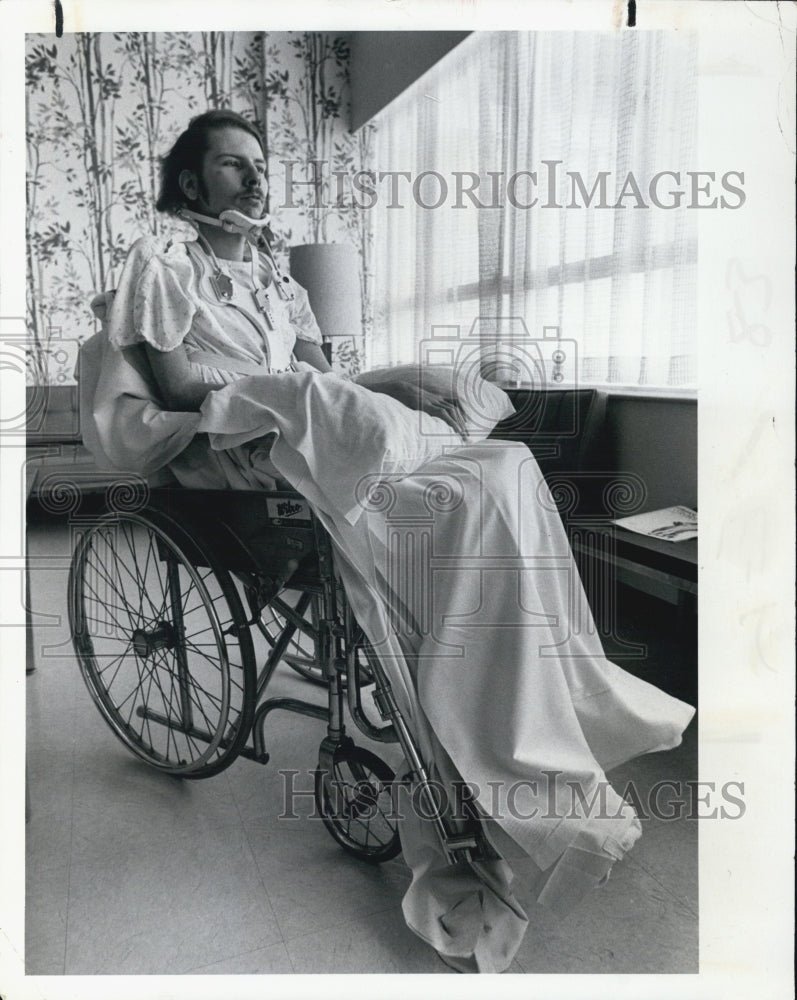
<point>165,298</point>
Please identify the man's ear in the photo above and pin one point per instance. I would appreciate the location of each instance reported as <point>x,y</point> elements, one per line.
<point>189,184</point>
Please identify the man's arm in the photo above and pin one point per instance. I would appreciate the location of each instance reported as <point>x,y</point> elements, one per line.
<point>179,385</point>
<point>307,350</point>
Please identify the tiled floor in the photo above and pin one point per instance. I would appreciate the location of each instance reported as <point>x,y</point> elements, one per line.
<point>129,871</point>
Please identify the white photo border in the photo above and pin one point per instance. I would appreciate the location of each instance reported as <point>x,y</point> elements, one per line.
<point>746,485</point>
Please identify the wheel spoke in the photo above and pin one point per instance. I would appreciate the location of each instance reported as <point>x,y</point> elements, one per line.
<point>217,660</point>
<point>121,658</point>
<point>102,574</point>
<point>192,741</point>
<point>138,582</point>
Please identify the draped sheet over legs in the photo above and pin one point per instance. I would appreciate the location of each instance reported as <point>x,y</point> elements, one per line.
<point>462,575</point>
<point>457,566</point>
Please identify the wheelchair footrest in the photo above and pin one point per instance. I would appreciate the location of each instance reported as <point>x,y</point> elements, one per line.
<point>462,843</point>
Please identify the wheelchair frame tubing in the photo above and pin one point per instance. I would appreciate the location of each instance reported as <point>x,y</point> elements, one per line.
<point>173,577</point>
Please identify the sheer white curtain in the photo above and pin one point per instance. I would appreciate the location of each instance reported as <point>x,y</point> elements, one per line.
<point>578,110</point>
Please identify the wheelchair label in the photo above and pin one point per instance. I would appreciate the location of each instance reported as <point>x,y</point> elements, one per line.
<point>288,509</point>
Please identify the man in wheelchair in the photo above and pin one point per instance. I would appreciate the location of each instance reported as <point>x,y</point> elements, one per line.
<point>372,535</point>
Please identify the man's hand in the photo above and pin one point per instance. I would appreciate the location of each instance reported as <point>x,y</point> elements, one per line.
<point>430,401</point>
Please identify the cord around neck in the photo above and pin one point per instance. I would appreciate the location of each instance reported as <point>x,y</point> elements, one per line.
<point>253,258</point>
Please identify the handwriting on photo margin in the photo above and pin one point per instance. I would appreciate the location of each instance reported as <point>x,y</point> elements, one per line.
<point>751,296</point>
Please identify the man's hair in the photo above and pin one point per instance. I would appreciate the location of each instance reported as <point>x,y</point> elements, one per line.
<point>188,150</point>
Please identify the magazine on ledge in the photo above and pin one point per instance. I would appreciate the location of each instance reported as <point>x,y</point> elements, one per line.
<point>671,524</point>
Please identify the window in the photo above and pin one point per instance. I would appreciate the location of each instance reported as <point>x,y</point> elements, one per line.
<point>540,181</point>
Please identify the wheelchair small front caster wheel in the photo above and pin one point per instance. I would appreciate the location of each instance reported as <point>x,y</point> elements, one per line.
<point>355,801</point>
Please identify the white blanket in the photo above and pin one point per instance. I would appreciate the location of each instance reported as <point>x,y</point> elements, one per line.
<point>458,568</point>
<point>123,422</point>
<point>334,437</point>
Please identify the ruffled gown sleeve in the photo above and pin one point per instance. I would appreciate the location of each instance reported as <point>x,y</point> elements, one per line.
<point>153,303</point>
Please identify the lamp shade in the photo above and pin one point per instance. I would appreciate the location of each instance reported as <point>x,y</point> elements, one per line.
<point>331,274</point>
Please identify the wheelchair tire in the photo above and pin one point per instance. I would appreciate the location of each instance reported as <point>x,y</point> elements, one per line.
<point>162,642</point>
<point>355,801</point>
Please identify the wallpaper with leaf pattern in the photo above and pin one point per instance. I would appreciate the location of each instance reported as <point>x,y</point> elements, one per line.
<point>103,108</point>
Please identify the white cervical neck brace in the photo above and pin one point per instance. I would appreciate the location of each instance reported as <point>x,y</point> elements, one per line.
<point>231,221</point>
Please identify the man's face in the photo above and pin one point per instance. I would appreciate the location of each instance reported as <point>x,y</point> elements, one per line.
<point>232,175</point>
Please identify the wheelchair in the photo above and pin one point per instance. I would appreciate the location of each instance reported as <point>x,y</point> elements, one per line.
<point>167,587</point>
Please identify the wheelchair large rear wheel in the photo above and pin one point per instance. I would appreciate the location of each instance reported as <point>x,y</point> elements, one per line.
<point>163,642</point>
<point>355,800</point>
